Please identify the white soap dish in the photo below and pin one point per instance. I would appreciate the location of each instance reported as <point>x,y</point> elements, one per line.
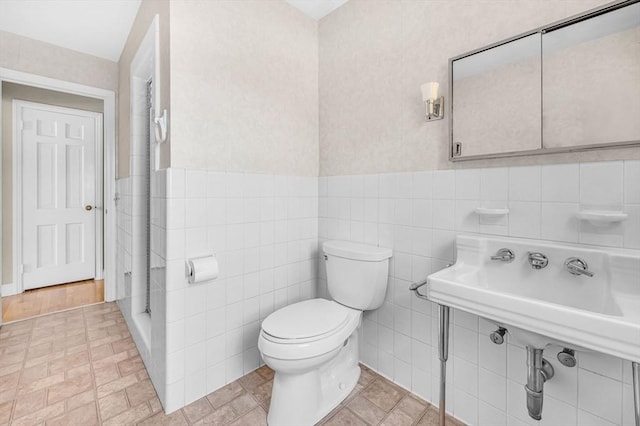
<point>484,211</point>
<point>602,217</point>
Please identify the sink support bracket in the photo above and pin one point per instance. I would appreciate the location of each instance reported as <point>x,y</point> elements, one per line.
<point>443,348</point>
<point>636,390</point>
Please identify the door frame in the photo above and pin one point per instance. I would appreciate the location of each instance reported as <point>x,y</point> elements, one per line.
<point>109,159</point>
<point>18,188</point>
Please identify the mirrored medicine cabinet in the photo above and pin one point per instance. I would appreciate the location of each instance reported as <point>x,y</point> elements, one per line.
<point>570,86</point>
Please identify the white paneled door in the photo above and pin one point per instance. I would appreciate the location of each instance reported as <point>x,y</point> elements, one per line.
<point>56,151</point>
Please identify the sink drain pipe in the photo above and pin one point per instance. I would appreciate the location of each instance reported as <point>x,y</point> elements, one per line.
<point>538,372</point>
<point>443,348</point>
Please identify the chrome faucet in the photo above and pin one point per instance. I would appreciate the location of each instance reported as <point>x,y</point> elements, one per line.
<point>538,260</point>
<point>577,266</point>
<point>504,255</point>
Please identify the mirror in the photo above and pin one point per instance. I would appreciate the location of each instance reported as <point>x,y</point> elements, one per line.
<point>591,87</point>
<point>569,86</point>
<point>493,87</point>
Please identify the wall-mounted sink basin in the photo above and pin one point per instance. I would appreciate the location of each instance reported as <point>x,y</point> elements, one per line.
<point>601,312</point>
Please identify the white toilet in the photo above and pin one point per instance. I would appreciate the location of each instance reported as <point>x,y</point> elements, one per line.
<point>313,345</point>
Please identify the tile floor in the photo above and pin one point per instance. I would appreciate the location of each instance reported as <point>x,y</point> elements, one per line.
<point>81,367</point>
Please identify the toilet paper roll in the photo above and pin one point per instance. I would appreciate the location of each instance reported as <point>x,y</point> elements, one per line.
<point>202,269</point>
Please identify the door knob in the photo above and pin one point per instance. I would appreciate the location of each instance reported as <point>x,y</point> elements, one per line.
<point>88,207</point>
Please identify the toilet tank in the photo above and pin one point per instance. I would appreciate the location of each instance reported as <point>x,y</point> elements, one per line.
<point>357,274</point>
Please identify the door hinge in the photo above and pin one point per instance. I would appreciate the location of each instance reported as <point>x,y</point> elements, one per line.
<point>21,268</point>
<point>20,124</point>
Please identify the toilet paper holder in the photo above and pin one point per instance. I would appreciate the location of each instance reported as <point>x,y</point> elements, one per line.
<point>200,269</point>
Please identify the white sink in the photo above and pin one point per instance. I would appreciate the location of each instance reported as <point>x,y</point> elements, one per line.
<point>601,313</point>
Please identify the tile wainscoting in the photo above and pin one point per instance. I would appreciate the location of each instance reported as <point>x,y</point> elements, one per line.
<point>265,231</point>
<point>418,215</point>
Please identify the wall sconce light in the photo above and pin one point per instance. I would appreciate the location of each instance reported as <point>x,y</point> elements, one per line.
<point>434,104</point>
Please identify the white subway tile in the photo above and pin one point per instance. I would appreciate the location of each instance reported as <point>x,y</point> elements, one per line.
<point>524,183</point>
<point>600,395</point>
<point>494,184</point>
<point>444,214</point>
<point>422,185</point>
<point>492,388</point>
<point>558,222</point>
<point>444,184</point>
<point>560,183</point>
<point>467,184</point>
<point>601,183</point>
<point>632,182</point>
<point>490,416</point>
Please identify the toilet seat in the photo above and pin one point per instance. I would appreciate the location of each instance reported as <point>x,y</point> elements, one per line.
<point>306,321</point>
<point>307,329</point>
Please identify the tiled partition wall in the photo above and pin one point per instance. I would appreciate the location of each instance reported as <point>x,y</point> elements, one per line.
<point>263,231</point>
<point>418,215</point>
<point>131,270</point>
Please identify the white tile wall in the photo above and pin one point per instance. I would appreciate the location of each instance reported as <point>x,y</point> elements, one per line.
<point>418,215</point>
<point>263,231</point>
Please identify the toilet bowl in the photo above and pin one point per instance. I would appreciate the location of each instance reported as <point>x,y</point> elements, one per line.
<point>313,345</point>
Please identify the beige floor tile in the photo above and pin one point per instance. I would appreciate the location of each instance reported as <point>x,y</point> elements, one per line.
<point>366,410</point>
<point>68,388</point>
<point>10,381</point>
<point>30,403</point>
<point>252,380</point>
<point>412,407</point>
<point>110,360</point>
<point>40,416</point>
<point>85,415</point>
<point>266,372</point>
<point>102,351</point>
<point>113,405</point>
<point>155,405</point>
<point>130,366</point>
<point>174,419</point>
<point>221,416</point>
<point>345,417</point>
<point>140,392</point>
<point>244,403</point>
<point>366,377</point>
<point>225,394</point>
<point>36,351</point>
<point>8,369</point>
<point>263,393</point>
<point>384,394</point>
<point>12,358</point>
<point>41,384</point>
<point>34,373</point>
<point>69,361</point>
<point>255,417</point>
<point>123,345</point>
<point>131,416</point>
<point>197,410</point>
<point>106,374</point>
<point>397,418</point>
<point>5,411</point>
<point>116,385</point>
<point>81,399</point>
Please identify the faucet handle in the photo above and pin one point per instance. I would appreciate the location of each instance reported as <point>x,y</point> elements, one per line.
<point>504,255</point>
<point>577,266</point>
<point>537,260</point>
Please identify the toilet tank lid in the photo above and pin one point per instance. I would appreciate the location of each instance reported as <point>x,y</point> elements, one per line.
<point>356,251</point>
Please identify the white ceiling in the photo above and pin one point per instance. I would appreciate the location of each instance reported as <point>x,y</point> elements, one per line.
<point>317,9</point>
<point>95,27</point>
